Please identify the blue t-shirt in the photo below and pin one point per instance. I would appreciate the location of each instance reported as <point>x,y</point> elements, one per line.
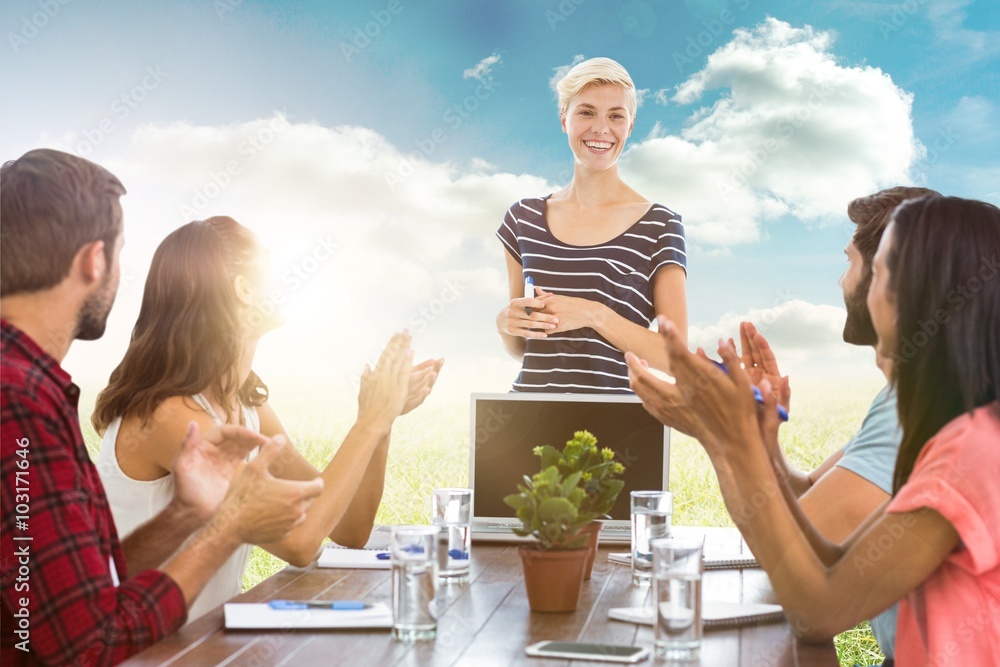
<point>871,453</point>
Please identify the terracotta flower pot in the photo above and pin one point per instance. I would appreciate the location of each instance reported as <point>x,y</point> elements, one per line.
<point>553,578</point>
<point>591,529</point>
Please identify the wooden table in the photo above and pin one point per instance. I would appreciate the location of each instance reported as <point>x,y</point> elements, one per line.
<point>484,623</point>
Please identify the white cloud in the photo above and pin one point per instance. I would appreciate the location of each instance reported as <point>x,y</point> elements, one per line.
<point>662,97</point>
<point>483,68</point>
<point>479,165</point>
<point>640,96</point>
<point>405,225</point>
<point>302,188</point>
<point>803,335</point>
<point>948,19</point>
<point>975,118</point>
<point>559,72</point>
<point>793,133</point>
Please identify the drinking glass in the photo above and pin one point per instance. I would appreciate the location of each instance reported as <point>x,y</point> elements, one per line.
<point>651,512</point>
<point>677,569</point>
<point>413,551</point>
<point>451,512</point>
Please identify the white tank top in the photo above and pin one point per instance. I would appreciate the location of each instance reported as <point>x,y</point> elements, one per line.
<point>134,502</point>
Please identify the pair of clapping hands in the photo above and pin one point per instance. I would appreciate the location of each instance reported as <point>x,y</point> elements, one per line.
<point>212,477</point>
<point>706,402</point>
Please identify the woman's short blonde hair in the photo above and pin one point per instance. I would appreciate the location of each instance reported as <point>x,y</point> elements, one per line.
<point>596,71</point>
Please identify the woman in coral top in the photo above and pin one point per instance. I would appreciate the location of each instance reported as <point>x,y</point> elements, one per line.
<point>935,544</point>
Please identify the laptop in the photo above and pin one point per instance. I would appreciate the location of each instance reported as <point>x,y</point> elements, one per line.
<point>507,427</point>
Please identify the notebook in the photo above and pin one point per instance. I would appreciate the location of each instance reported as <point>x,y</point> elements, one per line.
<point>260,616</point>
<point>712,561</point>
<point>715,615</point>
<point>507,427</point>
<point>353,559</point>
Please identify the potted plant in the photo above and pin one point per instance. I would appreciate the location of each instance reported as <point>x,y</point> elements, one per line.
<point>559,507</point>
<point>548,506</point>
<point>598,479</point>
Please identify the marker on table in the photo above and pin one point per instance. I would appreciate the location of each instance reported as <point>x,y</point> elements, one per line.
<point>758,396</point>
<point>456,554</point>
<point>339,605</point>
<point>529,292</point>
<point>410,548</point>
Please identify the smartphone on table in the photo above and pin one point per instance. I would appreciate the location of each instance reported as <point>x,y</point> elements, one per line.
<point>582,651</point>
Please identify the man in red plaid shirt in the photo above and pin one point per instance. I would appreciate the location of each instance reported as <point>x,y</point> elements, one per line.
<point>71,593</point>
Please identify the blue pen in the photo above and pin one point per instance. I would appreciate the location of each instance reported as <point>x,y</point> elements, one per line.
<point>410,548</point>
<point>339,605</point>
<point>529,292</point>
<point>759,397</point>
<point>456,554</point>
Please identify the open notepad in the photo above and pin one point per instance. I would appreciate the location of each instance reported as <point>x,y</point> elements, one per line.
<point>242,616</point>
<point>353,559</point>
<point>715,615</point>
<point>712,561</point>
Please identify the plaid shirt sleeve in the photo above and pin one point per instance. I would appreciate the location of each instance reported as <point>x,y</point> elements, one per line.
<point>75,612</point>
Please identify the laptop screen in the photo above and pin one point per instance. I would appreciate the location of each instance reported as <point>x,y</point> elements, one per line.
<point>507,427</point>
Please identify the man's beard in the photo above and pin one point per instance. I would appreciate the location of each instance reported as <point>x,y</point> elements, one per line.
<point>93,318</point>
<point>858,329</point>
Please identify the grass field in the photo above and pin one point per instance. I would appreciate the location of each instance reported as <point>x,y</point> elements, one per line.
<point>430,449</point>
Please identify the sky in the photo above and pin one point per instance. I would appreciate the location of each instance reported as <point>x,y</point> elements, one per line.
<point>375,145</point>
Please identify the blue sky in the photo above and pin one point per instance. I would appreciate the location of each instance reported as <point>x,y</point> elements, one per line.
<point>316,104</point>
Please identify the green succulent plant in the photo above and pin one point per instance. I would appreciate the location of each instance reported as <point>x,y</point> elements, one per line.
<point>574,487</point>
<point>548,506</point>
<point>598,471</point>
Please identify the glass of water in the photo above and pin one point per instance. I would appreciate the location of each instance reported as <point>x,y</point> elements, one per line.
<point>413,551</point>
<point>677,568</point>
<point>451,512</point>
<point>651,512</point>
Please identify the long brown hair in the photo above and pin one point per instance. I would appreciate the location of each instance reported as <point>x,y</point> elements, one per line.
<point>188,338</point>
<point>943,271</point>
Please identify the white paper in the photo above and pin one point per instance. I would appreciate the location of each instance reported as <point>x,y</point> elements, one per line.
<point>242,616</point>
<point>354,559</point>
<point>713,612</point>
<point>716,560</point>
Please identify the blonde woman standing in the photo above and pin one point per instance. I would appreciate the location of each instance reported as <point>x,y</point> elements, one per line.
<point>603,260</point>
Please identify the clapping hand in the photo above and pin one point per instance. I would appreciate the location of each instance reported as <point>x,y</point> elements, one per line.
<point>261,508</point>
<point>422,379</point>
<point>385,389</point>
<point>205,465</point>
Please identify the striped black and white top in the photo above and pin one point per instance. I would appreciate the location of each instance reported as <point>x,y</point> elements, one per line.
<point>618,273</point>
